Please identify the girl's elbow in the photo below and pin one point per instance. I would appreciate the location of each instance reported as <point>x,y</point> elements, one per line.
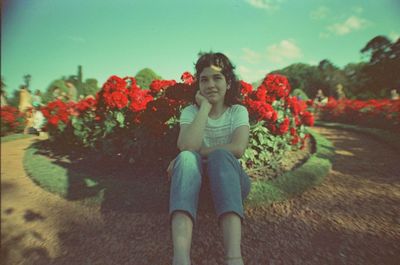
<point>239,152</point>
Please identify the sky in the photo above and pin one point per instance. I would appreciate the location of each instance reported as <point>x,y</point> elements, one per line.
<point>48,39</point>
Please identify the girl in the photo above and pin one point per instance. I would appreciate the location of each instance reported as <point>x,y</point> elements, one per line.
<point>214,133</point>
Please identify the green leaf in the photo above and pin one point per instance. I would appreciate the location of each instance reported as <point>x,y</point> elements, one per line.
<point>120,118</point>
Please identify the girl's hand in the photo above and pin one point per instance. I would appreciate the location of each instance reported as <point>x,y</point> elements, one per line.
<point>169,169</point>
<point>200,99</point>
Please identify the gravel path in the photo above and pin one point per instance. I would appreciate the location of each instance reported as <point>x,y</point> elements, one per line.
<point>352,218</point>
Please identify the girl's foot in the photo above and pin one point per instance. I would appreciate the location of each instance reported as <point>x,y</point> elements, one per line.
<point>234,261</point>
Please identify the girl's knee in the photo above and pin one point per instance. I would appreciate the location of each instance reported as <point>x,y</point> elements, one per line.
<point>189,157</point>
<point>219,154</point>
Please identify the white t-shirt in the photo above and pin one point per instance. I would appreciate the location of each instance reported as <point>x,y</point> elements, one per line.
<point>218,131</point>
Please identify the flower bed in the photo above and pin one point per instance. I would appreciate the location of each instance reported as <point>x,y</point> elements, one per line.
<point>128,124</point>
<point>12,120</point>
<point>384,113</point>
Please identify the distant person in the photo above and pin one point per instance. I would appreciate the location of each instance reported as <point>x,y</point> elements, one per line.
<point>56,94</point>
<point>37,99</point>
<point>72,93</point>
<point>25,99</point>
<point>340,92</point>
<point>394,95</point>
<point>3,98</point>
<point>36,121</point>
<point>320,98</point>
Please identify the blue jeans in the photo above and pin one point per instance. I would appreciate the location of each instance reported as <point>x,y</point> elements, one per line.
<point>229,184</point>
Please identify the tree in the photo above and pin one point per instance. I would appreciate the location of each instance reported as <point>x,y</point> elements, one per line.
<point>305,77</point>
<point>58,83</point>
<point>145,76</point>
<point>90,87</point>
<point>384,65</point>
<point>3,85</point>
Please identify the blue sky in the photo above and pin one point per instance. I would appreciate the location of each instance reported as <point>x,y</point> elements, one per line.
<point>50,38</point>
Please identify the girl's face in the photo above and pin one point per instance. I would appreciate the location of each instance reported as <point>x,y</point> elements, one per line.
<point>212,84</point>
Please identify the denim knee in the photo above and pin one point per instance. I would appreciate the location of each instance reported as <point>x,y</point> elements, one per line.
<point>219,154</point>
<point>229,183</point>
<point>186,183</point>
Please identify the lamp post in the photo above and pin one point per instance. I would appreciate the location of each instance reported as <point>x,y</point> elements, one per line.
<point>27,79</point>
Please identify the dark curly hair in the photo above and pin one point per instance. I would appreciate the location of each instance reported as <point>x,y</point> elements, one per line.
<point>233,95</point>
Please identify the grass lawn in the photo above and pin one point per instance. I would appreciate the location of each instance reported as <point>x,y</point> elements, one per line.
<point>75,183</point>
<point>13,137</point>
<point>309,174</point>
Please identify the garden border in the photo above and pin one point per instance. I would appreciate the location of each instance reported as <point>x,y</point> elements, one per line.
<point>390,138</point>
<point>52,178</point>
<point>309,174</point>
<point>14,137</point>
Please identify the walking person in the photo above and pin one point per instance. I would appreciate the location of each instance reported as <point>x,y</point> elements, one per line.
<point>214,133</point>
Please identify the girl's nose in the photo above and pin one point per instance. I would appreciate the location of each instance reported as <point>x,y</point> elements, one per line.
<point>210,83</point>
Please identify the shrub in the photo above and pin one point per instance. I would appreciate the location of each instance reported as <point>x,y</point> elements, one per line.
<point>383,113</point>
<point>12,120</point>
<point>141,126</point>
<point>300,94</point>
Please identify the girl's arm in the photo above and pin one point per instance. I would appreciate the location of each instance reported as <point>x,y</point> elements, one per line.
<point>191,135</point>
<point>237,146</point>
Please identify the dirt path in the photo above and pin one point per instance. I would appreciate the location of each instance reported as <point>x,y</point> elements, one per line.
<point>352,218</point>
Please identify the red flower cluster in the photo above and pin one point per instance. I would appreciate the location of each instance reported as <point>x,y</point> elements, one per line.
<point>86,104</point>
<point>157,85</point>
<point>382,113</point>
<point>245,88</point>
<point>149,108</point>
<point>275,87</point>
<point>57,111</point>
<point>12,120</point>
<point>119,93</point>
<point>272,104</point>
<point>260,110</point>
<point>187,78</point>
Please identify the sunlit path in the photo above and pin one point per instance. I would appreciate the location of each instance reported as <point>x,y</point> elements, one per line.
<point>352,218</point>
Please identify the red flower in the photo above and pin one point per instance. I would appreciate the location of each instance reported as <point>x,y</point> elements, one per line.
<point>86,104</point>
<point>187,78</point>
<point>53,120</point>
<point>139,100</point>
<point>307,118</point>
<point>246,88</point>
<point>56,111</point>
<point>276,86</point>
<point>158,85</point>
<point>260,110</point>
<point>284,126</point>
<point>295,137</point>
<point>119,100</point>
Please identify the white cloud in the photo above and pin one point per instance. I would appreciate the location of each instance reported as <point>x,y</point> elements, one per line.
<point>255,64</point>
<point>264,4</point>
<point>394,36</point>
<point>251,75</point>
<point>251,56</point>
<point>351,24</point>
<point>282,51</point>
<point>319,13</point>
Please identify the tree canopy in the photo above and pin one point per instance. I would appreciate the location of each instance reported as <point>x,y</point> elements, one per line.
<point>145,76</point>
